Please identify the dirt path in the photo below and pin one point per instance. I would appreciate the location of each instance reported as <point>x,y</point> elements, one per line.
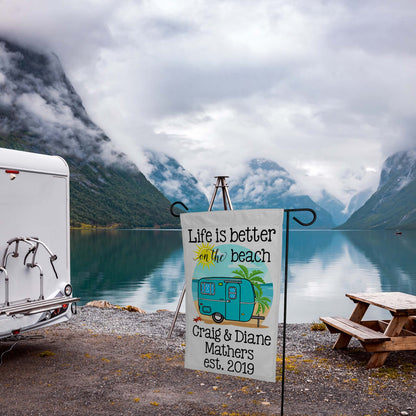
<point>73,370</point>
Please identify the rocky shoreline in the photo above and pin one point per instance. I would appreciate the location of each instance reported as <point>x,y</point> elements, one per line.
<point>113,361</point>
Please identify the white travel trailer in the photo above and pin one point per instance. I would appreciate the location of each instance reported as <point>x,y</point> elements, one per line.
<point>35,287</point>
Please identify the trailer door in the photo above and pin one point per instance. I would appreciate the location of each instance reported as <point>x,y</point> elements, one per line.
<point>233,298</point>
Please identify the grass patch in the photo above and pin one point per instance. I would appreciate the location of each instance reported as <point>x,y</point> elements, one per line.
<point>318,326</point>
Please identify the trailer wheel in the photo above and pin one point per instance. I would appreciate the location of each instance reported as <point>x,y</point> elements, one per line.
<point>217,317</point>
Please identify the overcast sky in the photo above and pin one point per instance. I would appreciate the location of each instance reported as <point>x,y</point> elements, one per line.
<point>324,88</point>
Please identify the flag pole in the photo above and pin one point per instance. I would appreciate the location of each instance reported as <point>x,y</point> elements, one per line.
<point>304,224</point>
<point>221,183</point>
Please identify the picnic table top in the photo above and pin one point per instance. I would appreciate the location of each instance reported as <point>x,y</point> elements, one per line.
<point>397,302</point>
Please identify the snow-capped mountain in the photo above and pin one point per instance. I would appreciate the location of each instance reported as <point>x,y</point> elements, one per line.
<point>266,184</point>
<point>176,183</point>
<point>334,206</point>
<point>357,201</point>
<point>393,205</point>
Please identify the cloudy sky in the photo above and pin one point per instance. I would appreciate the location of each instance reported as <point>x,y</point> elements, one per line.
<point>324,88</point>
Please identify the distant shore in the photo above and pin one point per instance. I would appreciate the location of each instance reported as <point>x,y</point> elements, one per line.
<point>89,227</point>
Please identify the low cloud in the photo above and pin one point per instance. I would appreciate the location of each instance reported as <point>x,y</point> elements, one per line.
<point>37,98</point>
<point>325,89</point>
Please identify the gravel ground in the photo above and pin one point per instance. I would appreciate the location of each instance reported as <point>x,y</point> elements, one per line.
<point>115,362</point>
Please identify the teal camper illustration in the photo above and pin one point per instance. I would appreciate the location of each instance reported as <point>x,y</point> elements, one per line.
<point>226,298</point>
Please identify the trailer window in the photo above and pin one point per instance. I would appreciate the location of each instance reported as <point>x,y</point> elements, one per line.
<point>207,288</point>
<point>232,292</point>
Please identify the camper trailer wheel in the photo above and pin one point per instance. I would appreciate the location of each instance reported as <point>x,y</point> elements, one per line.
<point>217,317</point>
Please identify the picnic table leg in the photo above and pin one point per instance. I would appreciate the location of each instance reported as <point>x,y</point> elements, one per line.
<point>393,330</point>
<point>356,316</point>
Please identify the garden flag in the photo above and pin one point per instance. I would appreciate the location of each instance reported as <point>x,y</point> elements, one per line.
<point>232,270</point>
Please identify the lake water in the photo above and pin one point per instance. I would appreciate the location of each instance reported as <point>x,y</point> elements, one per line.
<point>145,268</point>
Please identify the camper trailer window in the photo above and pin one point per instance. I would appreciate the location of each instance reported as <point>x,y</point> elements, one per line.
<point>207,288</point>
<point>232,292</point>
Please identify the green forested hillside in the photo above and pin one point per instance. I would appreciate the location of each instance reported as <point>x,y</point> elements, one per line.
<point>397,211</point>
<point>107,195</point>
<point>393,205</point>
<point>43,113</point>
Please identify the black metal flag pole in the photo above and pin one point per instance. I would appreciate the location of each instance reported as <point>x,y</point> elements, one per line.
<point>304,224</point>
<point>178,306</point>
<point>227,205</point>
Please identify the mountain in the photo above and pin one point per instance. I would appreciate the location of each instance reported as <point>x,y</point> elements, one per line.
<point>334,206</point>
<point>176,183</point>
<point>358,200</point>
<point>41,112</point>
<point>265,184</point>
<point>393,205</point>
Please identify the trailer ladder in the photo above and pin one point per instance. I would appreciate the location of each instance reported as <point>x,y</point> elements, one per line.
<point>34,244</point>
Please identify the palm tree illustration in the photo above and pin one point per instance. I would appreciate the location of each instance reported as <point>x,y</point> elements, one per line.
<point>256,280</point>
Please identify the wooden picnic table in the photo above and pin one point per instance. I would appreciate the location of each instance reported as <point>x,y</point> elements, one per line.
<point>381,336</point>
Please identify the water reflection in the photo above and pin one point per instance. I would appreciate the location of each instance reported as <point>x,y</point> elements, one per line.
<point>346,262</point>
<point>323,267</point>
<point>394,255</point>
<point>145,268</point>
<point>142,268</point>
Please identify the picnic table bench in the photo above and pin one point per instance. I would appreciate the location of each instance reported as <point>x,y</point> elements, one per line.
<point>378,336</point>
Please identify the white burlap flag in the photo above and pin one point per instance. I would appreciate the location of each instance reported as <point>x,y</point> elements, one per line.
<point>232,270</point>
